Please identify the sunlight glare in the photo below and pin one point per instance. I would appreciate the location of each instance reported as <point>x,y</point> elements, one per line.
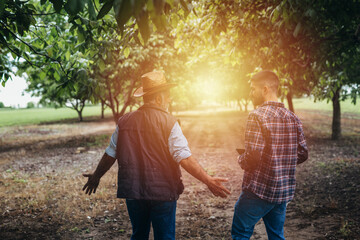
<point>209,89</point>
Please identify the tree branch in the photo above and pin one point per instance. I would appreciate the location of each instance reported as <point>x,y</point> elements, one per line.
<point>33,49</point>
<point>95,6</point>
<point>13,51</point>
<point>38,36</point>
<point>44,14</point>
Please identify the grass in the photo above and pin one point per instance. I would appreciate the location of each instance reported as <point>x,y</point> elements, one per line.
<point>309,104</point>
<point>11,117</point>
<point>59,195</point>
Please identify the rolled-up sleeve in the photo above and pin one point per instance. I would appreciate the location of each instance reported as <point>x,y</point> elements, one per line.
<point>111,149</point>
<point>178,145</point>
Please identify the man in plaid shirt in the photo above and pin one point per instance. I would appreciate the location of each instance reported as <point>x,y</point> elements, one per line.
<point>274,145</point>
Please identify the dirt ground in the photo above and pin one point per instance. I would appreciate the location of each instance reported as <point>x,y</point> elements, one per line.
<point>41,167</point>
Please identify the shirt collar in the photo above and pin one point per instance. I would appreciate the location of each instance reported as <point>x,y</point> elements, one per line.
<point>272,103</point>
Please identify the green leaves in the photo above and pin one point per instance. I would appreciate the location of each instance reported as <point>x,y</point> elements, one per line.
<point>144,11</point>
<point>143,23</point>
<point>82,74</point>
<point>138,6</point>
<point>67,55</point>
<point>105,9</point>
<point>297,29</point>
<point>2,7</point>
<point>123,11</point>
<point>58,4</point>
<point>159,6</point>
<point>101,65</point>
<point>91,10</point>
<point>275,14</point>
<point>126,52</point>
<point>185,7</point>
<point>73,7</point>
<point>80,34</point>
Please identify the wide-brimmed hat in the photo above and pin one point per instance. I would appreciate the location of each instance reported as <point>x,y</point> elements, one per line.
<point>153,82</point>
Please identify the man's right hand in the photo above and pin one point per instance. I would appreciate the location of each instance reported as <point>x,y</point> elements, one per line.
<point>217,188</point>
<point>250,162</point>
<point>92,183</point>
<point>93,179</point>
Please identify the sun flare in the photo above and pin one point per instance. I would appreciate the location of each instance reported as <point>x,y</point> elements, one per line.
<point>209,88</point>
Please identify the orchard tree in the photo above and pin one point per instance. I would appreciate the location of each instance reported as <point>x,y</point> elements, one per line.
<point>54,41</point>
<point>328,33</point>
<point>30,105</point>
<point>117,70</point>
<point>73,96</point>
<point>58,70</point>
<point>16,18</point>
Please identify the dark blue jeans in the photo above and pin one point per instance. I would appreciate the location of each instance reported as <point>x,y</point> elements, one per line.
<point>249,209</point>
<point>161,214</point>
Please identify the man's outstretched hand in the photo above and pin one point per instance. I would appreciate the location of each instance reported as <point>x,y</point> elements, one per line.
<point>92,183</point>
<point>93,179</point>
<point>217,188</point>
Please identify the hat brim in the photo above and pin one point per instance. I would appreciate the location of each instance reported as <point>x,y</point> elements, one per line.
<point>140,91</point>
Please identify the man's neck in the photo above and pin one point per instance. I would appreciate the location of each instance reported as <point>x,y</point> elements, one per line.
<point>271,99</point>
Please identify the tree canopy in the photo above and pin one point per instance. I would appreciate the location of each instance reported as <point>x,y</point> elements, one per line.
<point>75,51</point>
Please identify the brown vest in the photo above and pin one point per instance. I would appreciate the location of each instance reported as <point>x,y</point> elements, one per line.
<point>146,168</point>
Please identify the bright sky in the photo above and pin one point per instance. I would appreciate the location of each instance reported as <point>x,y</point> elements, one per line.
<point>14,95</point>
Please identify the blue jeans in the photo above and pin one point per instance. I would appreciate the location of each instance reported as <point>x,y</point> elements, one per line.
<point>249,209</point>
<point>161,214</point>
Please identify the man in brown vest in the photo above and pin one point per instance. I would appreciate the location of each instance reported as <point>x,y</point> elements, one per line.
<point>150,146</point>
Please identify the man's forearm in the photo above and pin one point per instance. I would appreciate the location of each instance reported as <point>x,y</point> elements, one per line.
<point>194,168</point>
<point>104,165</point>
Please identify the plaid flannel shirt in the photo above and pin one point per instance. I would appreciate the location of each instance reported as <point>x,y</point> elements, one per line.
<point>277,134</point>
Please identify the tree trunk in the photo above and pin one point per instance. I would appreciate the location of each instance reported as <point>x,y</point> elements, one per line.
<point>239,104</point>
<point>336,123</point>
<point>79,112</point>
<point>290,101</point>
<point>116,117</point>
<point>102,109</point>
<point>126,103</point>
<point>246,103</point>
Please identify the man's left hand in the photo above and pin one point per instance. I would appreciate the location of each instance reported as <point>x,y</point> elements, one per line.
<point>217,188</point>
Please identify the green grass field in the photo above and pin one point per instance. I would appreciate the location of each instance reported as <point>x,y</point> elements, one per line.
<point>10,117</point>
<point>308,104</point>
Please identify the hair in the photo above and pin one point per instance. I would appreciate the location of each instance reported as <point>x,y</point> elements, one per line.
<point>151,97</point>
<point>268,78</point>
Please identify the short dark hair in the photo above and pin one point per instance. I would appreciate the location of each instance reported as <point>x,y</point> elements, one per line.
<point>266,77</point>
